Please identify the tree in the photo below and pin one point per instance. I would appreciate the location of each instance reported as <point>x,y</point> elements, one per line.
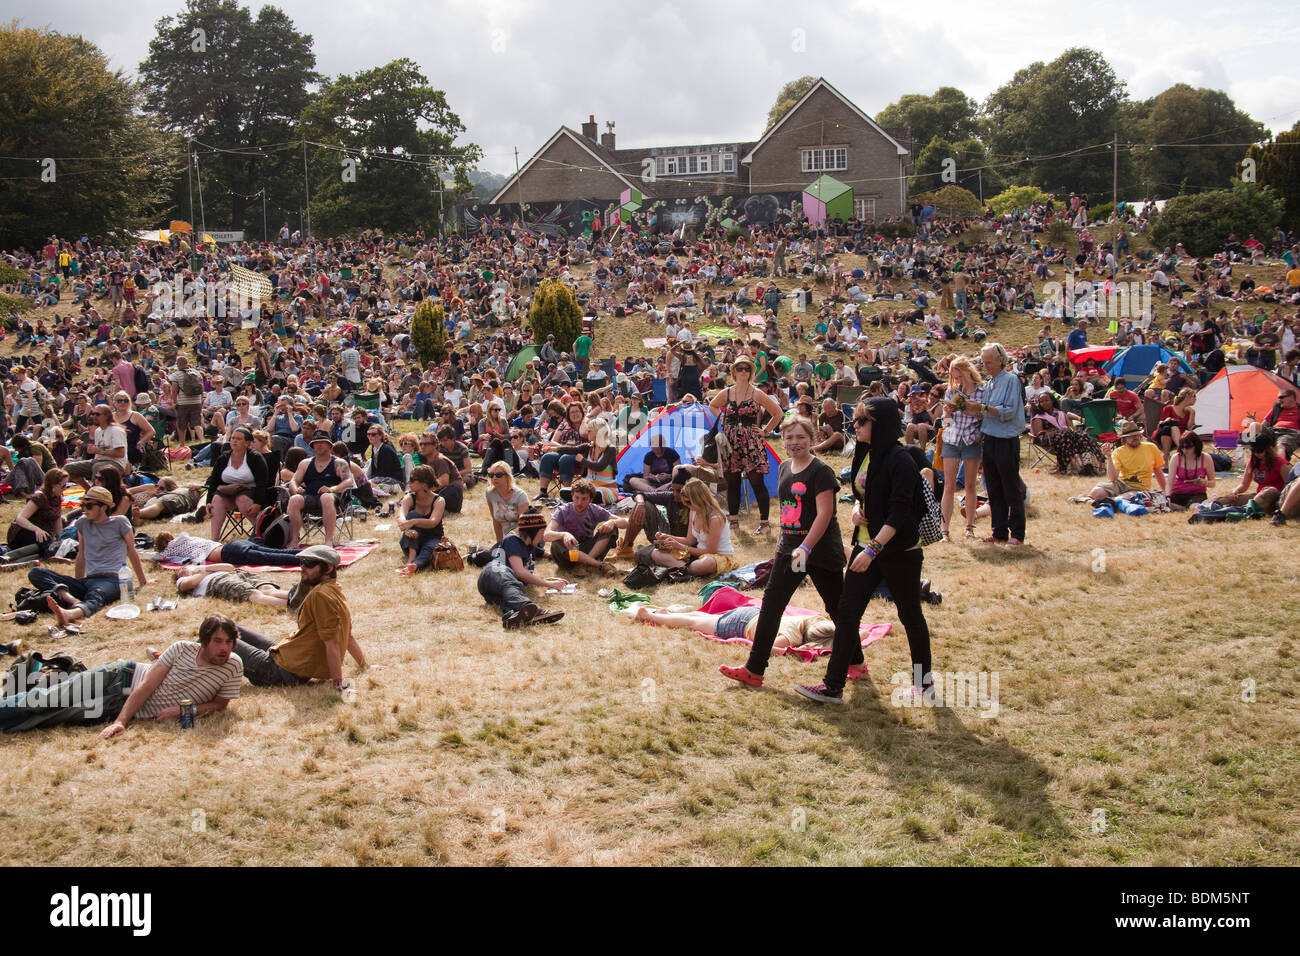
<point>555,311</point>
<point>1059,116</point>
<point>59,101</point>
<point>1204,221</point>
<point>790,94</point>
<point>1277,164</point>
<point>1017,197</point>
<point>948,113</point>
<point>970,166</point>
<point>428,334</point>
<point>1194,120</point>
<point>233,83</point>
<point>399,133</point>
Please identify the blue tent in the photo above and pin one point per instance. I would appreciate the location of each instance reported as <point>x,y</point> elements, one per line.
<point>1137,361</point>
<point>684,428</point>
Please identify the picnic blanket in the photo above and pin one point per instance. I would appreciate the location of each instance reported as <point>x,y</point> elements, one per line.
<point>653,343</point>
<point>728,599</point>
<point>72,496</point>
<point>351,552</point>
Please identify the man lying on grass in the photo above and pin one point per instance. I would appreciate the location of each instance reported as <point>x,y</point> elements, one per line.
<point>502,581</point>
<point>207,673</point>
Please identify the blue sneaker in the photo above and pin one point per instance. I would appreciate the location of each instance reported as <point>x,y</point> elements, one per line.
<point>819,693</point>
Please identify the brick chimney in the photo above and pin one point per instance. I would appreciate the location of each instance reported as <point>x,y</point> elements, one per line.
<point>589,128</point>
<point>607,137</point>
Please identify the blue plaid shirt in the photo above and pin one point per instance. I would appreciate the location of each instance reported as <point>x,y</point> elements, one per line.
<point>1004,396</point>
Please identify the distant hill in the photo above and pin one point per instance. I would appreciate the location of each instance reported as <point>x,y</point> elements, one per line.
<point>486,185</point>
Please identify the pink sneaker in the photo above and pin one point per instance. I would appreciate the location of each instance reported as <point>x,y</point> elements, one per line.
<point>741,674</point>
<point>858,672</point>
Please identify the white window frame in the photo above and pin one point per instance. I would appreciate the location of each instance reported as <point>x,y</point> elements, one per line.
<point>824,159</point>
<point>864,209</point>
<point>705,164</point>
<point>728,162</point>
<point>693,163</point>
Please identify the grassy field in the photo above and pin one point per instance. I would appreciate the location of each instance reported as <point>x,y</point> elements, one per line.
<point>1146,714</point>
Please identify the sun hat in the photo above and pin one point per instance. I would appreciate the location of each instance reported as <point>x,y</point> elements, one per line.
<point>1130,428</point>
<point>144,399</point>
<point>321,437</point>
<point>99,495</point>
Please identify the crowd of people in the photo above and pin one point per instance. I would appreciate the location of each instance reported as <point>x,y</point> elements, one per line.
<point>277,418</point>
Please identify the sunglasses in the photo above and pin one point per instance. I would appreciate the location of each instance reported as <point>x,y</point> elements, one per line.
<point>121,400</point>
<point>859,422</point>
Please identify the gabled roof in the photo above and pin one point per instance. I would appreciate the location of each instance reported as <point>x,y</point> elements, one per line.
<point>587,145</point>
<point>819,85</point>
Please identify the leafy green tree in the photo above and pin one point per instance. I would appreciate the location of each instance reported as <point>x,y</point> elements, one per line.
<point>971,167</point>
<point>947,113</point>
<point>1202,222</point>
<point>1195,120</point>
<point>1277,164</point>
<point>1059,115</point>
<point>555,311</point>
<point>1017,197</point>
<point>428,334</point>
<point>233,83</point>
<point>399,132</point>
<point>59,100</point>
<point>790,94</point>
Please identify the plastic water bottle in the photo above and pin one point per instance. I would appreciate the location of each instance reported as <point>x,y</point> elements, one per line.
<point>125,585</point>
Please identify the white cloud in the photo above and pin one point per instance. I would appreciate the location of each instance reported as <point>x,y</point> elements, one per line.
<point>679,73</point>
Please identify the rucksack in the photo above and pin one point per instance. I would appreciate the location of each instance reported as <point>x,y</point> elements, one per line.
<point>191,384</point>
<point>141,380</point>
<point>272,527</point>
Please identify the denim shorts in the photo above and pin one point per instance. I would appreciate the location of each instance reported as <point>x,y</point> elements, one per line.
<point>732,624</point>
<point>962,452</point>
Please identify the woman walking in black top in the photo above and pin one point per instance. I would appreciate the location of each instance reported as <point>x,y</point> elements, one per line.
<point>886,547</point>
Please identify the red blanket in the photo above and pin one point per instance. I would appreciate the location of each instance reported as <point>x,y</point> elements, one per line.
<point>728,599</point>
<point>351,552</point>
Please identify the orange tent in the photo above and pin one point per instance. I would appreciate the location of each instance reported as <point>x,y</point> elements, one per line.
<point>1236,392</point>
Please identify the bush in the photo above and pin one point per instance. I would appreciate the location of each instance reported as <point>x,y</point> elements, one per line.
<point>1202,222</point>
<point>9,275</point>
<point>952,199</point>
<point>428,333</point>
<point>555,311</point>
<point>1102,212</point>
<point>896,230</point>
<point>15,304</point>
<point>1059,232</point>
<point>1017,197</point>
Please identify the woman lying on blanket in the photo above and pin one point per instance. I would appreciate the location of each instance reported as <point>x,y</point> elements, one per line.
<point>808,630</point>
<point>186,549</point>
<point>228,583</point>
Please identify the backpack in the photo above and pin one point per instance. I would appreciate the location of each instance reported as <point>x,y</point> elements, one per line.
<point>141,380</point>
<point>191,384</point>
<point>272,527</point>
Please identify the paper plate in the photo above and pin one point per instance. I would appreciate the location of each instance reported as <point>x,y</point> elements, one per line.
<point>123,612</point>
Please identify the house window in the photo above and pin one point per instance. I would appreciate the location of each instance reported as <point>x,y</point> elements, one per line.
<point>728,163</point>
<point>864,209</point>
<point>694,166</point>
<point>670,165</point>
<point>817,160</point>
<point>704,164</point>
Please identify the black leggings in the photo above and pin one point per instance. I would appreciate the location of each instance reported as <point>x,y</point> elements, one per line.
<point>902,572</point>
<point>757,481</point>
<point>776,597</point>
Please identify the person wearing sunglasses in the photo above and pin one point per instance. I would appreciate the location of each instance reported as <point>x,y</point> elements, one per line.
<point>886,487</point>
<point>105,543</point>
<point>315,651</point>
<point>107,446</point>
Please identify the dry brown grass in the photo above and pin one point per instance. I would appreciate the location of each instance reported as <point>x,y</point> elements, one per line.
<point>1120,691</point>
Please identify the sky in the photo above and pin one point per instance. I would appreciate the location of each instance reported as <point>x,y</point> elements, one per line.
<point>672,73</point>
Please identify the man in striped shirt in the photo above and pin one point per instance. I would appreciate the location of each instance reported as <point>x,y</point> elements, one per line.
<point>207,673</point>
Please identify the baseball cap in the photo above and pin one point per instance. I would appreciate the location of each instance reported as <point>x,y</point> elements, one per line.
<point>321,553</point>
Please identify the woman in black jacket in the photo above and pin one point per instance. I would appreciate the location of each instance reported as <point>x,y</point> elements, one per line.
<point>240,481</point>
<point>886,546</point>
<point>385,462</point>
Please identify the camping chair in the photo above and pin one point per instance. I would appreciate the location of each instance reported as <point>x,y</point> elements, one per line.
<point>659,391</point>
<point>343,526</point>
<point>1229,441</point>
<point>236,527</point>
<point>1099,417</point>
<point>1039,456</point>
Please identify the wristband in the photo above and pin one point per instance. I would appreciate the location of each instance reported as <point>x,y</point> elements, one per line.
<point>805,549</point>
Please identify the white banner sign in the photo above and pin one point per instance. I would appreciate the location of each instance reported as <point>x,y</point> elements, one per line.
<point>228,236</point>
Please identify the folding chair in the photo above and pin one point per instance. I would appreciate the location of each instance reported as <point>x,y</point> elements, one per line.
<point>343,525</point>
<point>236,527</point>
<point>659,391</point>
<point>1228,440</point>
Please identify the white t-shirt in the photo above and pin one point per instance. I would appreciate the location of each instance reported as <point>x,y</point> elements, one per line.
<point>188,679</point>
<point>109,437</point>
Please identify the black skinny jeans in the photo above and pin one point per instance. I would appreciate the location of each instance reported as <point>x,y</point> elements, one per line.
<point>758,481</point>
<point>776,597</point>
<point>902,572</point>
